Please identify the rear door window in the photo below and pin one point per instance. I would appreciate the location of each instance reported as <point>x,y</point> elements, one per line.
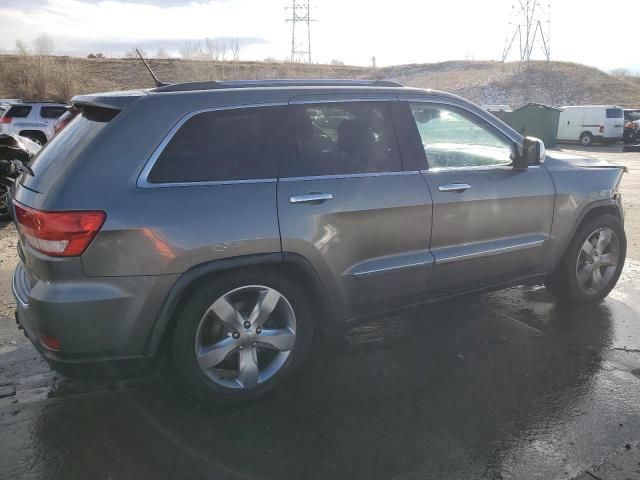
<point>18,111</point>
<point>224,145</point>
<point>342,139</point>
<point>615,113</point>
<point>52,112</point>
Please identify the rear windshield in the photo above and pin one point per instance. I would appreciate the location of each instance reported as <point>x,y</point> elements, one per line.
<point>60,155</point>
<point>614,113</point>
<point>52,112</point>
<point>18,111</point>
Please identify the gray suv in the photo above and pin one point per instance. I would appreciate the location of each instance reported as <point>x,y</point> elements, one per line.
<point>224,223</point>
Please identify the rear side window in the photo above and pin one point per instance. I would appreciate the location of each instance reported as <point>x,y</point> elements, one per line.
<point>615,113</point>
<point>343,138</point>
<point>52,112</point>
<point>239,144</point>
<point>18,111</point>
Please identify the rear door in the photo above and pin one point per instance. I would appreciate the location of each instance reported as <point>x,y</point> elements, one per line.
<point>348,205</point>
<point>614,122</point>
<point>491,222</point>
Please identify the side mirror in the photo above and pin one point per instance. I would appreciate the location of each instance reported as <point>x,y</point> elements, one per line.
<point>531,152</point>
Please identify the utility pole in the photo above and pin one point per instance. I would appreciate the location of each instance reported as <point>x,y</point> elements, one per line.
<point>527,24</point>
<point>300,21</point>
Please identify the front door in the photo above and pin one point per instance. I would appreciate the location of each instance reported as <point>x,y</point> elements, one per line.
<point>348,206</point>
<point>491,222</point>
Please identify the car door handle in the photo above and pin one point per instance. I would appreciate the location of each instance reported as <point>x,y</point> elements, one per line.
<point>454,187</point>
<point>311,198</point>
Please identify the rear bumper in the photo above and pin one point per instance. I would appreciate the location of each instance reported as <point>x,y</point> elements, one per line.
<point>99,325</point>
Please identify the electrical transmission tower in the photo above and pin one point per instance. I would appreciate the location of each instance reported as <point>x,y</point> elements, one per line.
<point>300,30</point>
<point>527,24</point>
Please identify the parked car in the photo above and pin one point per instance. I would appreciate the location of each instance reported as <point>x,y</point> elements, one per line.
<point>631,126</point>
<point>226,227</point>
<point>65,118</point>
<point>32,120</point>
<point>590,123</point>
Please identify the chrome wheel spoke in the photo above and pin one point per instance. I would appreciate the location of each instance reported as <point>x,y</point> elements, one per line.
<point>596,279</point>
<point>604,239</point>
<point>227,314</point>
<point>587,248</point>
<point>264,307</point>
<point>609,260</point>
<point>248,371</point>
<point>584,274</point>
<point>213,355</point>
<point>280,339</point>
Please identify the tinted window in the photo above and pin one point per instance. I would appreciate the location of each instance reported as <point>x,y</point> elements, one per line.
<point>615,113</point>
<point>453,139</point>
<point>52,112</point>
<point>65,149</point>
<point>343,138</point>
<point>18,111</point>
<point>223,145</point>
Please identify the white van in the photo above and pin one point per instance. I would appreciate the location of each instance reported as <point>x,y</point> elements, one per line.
<point>586,124</point>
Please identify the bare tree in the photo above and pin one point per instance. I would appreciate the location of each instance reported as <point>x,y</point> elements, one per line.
<point>191,50</point>
<point>162,53</point>
<point>234,46</point>
<point>22,48</point>
<point>43,45</point>
<point>64,80</point>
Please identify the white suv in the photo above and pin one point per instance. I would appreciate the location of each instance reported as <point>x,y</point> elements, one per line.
<point>32,120</point>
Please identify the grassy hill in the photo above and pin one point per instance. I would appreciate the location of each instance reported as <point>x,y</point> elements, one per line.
<point>555,83</point>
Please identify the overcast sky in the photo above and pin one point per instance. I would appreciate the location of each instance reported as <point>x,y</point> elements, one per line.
<point>352,31</point>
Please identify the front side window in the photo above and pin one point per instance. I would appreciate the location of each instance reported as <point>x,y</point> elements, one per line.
<point>342,139</point>
<point>453,139</point>
<point>223,145</point>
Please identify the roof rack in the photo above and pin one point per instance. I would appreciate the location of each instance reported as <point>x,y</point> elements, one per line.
<point>214,85</point>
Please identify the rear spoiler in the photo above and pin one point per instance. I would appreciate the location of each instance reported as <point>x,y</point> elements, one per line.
<point>110,100</point>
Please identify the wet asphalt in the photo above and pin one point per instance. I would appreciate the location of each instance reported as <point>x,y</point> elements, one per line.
<point>507,385</point>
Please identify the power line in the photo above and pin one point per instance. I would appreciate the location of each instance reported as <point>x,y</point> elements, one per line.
<point>528,21</point>
<point>300,30</point>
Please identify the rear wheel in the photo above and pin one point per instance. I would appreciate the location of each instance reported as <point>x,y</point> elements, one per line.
<point>592,263</point>
<point>586,139</point>
<point>4,203</point>
<point>242,335</point>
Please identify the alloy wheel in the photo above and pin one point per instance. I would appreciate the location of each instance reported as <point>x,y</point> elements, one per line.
<point>245,336</point>
<point>598,261</point>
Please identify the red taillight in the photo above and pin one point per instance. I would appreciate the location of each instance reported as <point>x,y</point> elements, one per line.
<point>59,234</point>
<point>52,343</point>
<point>5,119</point>
<point>601,129</point>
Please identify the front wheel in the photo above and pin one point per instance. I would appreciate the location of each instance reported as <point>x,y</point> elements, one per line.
<point>242,335</point>
<point>592,264</point>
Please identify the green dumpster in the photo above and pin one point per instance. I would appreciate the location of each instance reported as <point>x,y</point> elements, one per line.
<point>535,120</point>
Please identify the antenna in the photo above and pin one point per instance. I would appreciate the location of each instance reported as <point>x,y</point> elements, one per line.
<point>526,22</point>
<point>153,75</point>
<point>300,18</point>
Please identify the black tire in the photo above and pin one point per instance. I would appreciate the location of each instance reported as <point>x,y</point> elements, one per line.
<point>4,205</point>
<point>563,282</point>
<point>586,139</point>
<point>183,353</point>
